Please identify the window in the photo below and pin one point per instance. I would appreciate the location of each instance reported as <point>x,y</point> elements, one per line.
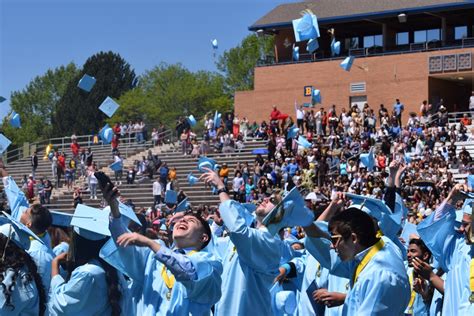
<point>402,38</point>
<point>354,42</point>
<point>420,36</point>
<point>427,35</point>
<point>460,32</point>
<point>372,40</point>
<point>433,35</point>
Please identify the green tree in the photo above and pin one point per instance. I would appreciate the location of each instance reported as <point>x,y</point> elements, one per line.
<point>78,111</point>
<point>169,91</point>
<point>37,105</point>
<point>238,63</point>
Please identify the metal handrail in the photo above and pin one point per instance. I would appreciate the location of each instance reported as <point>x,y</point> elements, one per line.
<point>62,143</point>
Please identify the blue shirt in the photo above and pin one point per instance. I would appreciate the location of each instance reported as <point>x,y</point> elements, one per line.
<point>398,107</point>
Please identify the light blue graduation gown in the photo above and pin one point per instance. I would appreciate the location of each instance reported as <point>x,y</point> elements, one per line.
<point>454,256</point>
<point>42,256</point>
<point>337,284</point>
<point>61,248</point>
<point>383,279</point>
<point>194,297</point>
<point>85,294</point>
<point>436,306</point>
<point>24,297</point>
<point>419,308</point>
<point>249,270</point>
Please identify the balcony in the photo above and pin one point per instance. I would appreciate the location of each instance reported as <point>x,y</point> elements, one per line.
<point>373,51</point>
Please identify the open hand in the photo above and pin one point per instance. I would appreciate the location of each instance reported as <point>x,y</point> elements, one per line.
<point>133,239</point>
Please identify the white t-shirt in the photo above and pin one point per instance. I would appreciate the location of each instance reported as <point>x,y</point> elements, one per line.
<point>156,188</point>
<point>471,102</point>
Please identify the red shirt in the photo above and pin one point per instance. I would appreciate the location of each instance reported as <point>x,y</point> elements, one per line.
<point>62,162</point>
<point>115,142</point>
<point>275,115</point>
<point>75,149</point>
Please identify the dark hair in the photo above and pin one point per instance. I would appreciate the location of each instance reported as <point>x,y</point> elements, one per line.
<point>206,227</point>
<point>41,218</point>
<point>58,235</point>
<point>353,220</point>
<point>17,258</point>
<point>418,242</point>
<point>81,251</point>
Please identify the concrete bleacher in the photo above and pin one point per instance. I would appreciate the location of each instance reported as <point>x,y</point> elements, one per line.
<point>141,192</point>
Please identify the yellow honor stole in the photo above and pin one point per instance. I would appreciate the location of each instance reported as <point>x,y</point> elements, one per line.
<point>361,266</point>
<point>170,279</point>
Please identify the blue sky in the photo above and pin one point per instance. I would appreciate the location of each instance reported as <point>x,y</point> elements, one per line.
<point>36,35</point>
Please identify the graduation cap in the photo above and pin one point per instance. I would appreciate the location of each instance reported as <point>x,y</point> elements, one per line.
<point>205,162</point>
<point>335,47</point>
<point>306,27</point>
<point>17,232</point>
<point>290,211</point>
<point>182,206</point>
<point>312,45</point>
<point>86,83</point>
<point>91,223</point>
<point>217,120</point>
<point>292,132</point>
<point>109,106</point>
<point>408,230</point>
<point>16,198</point>
<point>4,143</point>
<point>2,99</point>
<point>171,197</point>
<point>116,166</point>
<point>470,181</point>
<point>346,64</point>
<point>192,179</point>
<point>302,141</point>
<point>15,120</point>
<point>296,53</point>
<point>191,120</point>
<point>315,96</point>
<point>368,159</point>
<point>163,227</point>
<point>106,134</point>
<point>61,219</point>
<point>389,222</point>
<point>283,301</point>
<point>214,44</point>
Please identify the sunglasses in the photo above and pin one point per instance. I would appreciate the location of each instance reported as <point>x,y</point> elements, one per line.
<point>335,239</point>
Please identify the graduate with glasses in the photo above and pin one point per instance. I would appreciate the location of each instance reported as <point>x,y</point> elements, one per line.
<point>352,249</point>
<point>182,280</point>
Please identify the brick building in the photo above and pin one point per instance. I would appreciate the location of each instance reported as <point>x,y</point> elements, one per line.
<point>413,50</point>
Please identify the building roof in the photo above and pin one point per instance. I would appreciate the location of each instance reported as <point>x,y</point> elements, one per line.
<point>331,11</point>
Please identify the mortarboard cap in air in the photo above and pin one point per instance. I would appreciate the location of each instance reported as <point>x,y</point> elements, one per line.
<point>86,83</point>
<point>346,64</point>
<point>4,143</point>
<point>15,120</point>
<point>109,106</point>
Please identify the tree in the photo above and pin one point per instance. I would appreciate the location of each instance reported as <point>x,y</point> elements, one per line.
<point>37,105</point>
<point>238,63</point>
<point>169,91</point>
<point>78,111</point>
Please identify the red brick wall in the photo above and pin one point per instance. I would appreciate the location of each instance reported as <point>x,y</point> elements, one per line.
<point>387,78</point>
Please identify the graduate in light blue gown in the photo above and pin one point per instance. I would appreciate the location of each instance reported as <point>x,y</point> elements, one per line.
<point>37,218</point>
<point>182,281</point>
<point>379,283</point>
<point>251,257</point>
<point>453,249</point>
<point>22,289</point>
<point>91,286</point>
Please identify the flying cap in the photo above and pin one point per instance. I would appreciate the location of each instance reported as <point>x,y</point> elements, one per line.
<point>192,180</point>
<point>346,64</point>
<point>109,106</point>
<point>315,96</point>
<point>205,162</point>
<point>291,211</point>
<point>15,120</point>
<point>86,83</point>
<point>106,134</point>
<point>335,47</point>
<point>4,143</point>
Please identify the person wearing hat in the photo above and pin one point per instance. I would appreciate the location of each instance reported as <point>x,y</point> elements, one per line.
<point>452,246</point>
<point>180,281</point>
<point>22,289</point>
<point>91,286</point>
<point>378,280</point>
<point>250,256</point>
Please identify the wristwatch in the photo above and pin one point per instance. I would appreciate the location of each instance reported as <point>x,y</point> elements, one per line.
<point>221,190</point>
